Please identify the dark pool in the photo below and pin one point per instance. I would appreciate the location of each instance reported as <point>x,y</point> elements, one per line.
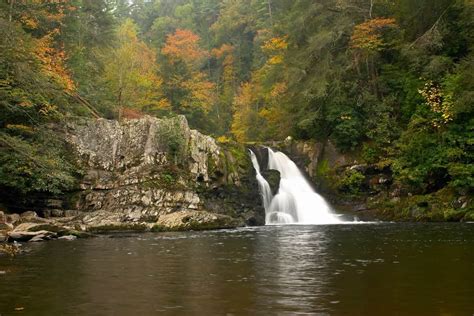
<point>362,269</point>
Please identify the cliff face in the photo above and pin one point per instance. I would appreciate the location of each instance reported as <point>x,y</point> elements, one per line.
<point>139,173</point>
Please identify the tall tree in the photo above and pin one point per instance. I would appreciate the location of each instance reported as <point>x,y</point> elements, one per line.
<point>130,72</point>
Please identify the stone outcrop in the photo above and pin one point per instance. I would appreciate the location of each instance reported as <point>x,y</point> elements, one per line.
<point>138,172</point>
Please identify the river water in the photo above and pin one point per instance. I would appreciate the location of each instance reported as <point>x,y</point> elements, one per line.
<point>363,269</point>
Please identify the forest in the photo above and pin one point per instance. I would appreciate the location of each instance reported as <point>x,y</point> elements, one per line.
<point>392,80</point>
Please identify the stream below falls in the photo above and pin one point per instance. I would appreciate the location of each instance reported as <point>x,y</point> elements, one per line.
<point>352,269</point>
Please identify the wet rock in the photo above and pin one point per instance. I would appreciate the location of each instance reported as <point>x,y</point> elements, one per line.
<point>273,179</point>
<point>68,237</point>
<point>38,238</point>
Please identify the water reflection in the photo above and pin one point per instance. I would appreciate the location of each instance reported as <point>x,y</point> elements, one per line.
<point>328,270</point>
<point>295,275</point>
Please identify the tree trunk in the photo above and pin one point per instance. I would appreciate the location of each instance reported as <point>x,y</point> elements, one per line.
<point>10,15</point>
<point>270,12</point>
<point>119,103</point>
<point>371,8</point>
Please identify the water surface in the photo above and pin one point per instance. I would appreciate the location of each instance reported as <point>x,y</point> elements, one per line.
<point>366,269</point>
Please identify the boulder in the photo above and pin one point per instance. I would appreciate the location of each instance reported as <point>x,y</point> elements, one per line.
<point>194,220</point>
<point>68,237</point>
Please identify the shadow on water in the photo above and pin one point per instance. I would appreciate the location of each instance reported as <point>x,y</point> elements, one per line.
<point>378,269</point>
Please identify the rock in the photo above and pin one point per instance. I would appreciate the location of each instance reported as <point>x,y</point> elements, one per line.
<point>3,236</point>
<point>416,211</point>
<point>13,218</point>
<point>273,179</point>
<point>6,226</point>
<point>28,215</point>
<point>3,217</point>
<point>34,227</point>
<point>31,217</point>
<point>359,207</point>
<point>37,238</point>
<point>194,220</point>
<point>57,213</point>
<point>71,213</point>
<point>26,236</point>
<point>68,237</point>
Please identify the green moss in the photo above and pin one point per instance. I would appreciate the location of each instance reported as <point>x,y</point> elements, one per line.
<point>469,217</point>
<point>118,228</point>
<point>452,215</point>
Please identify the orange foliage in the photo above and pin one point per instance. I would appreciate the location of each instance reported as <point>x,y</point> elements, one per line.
<point>368,35</point>
<point>183,45</point>
<point>222,51</point>
<point>131,114</point>
<point>53,60</point>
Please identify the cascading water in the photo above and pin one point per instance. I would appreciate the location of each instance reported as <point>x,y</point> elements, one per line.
<point>263,185</point>
<point>296,202</point>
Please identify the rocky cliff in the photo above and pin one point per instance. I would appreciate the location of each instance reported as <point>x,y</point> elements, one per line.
<point>153,174</point>
<point>139,172</point>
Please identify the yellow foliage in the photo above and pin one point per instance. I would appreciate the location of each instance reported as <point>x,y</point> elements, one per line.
<point>439,103</point>
<point>223,139</point>
<point>21,128</point>
<point>244,123</point>
<point>275,44</point>
<point>130,71</point>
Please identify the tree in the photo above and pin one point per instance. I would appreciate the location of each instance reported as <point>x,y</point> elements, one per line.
<point>186,85</point>
<point>130,72</point>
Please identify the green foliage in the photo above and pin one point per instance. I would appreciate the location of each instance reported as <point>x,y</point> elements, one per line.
<point>394,81</point>
<point>351,182</point>
<point>39,164</point>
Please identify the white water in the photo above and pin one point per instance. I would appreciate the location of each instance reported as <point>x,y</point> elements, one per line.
<point>296,202</point>
<point>263,185</point>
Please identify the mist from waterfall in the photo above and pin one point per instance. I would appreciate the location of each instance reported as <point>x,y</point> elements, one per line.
<point>296,202</point>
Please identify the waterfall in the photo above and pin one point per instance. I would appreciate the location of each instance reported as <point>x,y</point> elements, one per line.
<point>296,202</point>
<point>263,185</point>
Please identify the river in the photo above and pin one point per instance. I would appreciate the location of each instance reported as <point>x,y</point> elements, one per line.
<point>360,269</point>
